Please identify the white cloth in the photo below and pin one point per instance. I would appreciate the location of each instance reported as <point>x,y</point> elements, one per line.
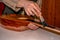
<point>39,34</point>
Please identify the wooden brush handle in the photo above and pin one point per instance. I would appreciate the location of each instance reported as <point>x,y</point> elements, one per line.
<point>48,28</point>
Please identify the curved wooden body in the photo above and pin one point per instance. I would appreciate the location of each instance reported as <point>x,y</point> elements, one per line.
<point>17,23</point>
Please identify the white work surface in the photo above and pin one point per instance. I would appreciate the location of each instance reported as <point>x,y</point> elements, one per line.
<point>39,34</point>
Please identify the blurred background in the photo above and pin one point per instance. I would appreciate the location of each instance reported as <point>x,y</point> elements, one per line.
<point>51,12</point>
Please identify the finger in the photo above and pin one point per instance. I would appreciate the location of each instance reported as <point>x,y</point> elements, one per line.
<point>30,11</point>
<point>35,6</point>
<point>32,26</point>
<point>38,14</point>
<point>34,12</point>
<point>27,12</point>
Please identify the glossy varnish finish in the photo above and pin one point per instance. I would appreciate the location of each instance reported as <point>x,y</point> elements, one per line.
<point>51,12</point>
<point>57,13</point>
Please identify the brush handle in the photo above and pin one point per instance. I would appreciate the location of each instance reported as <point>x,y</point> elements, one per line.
<point>48,28</point>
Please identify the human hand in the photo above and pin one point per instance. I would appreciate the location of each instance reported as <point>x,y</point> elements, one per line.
<point>31,8</point>
<point>32,26</point>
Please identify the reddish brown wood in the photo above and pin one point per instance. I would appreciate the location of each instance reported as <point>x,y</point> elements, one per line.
<point>57,21</point>
<point>51,12</point>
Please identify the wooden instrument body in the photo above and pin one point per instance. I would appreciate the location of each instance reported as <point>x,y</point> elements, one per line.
<point>14,22</point>
<point>19,23</point>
